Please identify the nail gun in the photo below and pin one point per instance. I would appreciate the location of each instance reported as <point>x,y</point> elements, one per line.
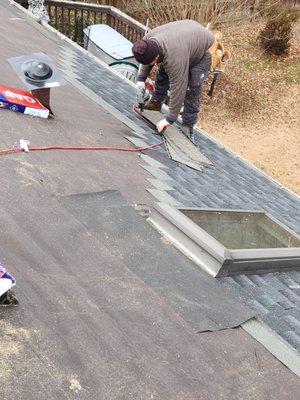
<point>144,95</point>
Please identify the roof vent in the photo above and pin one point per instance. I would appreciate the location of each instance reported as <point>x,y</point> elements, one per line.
<point>227,242</point>
<point>37,71</point>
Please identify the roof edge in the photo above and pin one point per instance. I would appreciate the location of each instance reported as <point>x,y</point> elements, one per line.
<point>276,345</point>
<point>248,163</point>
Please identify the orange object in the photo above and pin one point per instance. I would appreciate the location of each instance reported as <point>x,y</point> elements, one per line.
<point>21,101</point>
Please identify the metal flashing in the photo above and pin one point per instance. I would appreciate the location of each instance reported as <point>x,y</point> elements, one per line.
<point>218,259</point>
<point>274,343</point>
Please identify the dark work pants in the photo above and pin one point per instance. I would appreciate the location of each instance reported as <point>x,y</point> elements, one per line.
<point>192,101</point>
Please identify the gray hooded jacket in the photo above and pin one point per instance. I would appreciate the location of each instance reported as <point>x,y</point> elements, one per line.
<point>182,44</point>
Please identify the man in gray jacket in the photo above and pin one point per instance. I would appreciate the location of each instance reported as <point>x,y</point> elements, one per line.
<point>181,50</point>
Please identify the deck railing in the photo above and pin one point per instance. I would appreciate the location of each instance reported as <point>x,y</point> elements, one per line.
<point>70,18</point>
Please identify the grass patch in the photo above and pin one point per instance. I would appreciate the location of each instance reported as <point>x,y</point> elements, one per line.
<point>250,64</point>
<point>279,71</point>
<point>287,79</point>
<point>252,42</point>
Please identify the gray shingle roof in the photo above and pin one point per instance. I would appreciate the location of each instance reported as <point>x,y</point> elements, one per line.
<point>86,320</point>
<point>230,183</point>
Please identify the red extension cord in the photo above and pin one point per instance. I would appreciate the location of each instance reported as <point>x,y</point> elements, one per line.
<point>80,148</point>
<point>13,150</point>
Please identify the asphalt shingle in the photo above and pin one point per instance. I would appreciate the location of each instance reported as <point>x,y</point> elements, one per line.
<point>230,183</point>
<point>85,315</point>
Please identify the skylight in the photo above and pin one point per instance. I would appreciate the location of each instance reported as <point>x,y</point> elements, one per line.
<point>225,242</point>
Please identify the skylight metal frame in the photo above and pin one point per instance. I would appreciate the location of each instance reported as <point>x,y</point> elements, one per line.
<point>211,255</point>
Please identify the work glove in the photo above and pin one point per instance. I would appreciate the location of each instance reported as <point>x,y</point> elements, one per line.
<point>141,93</point>
<point>162,125</point>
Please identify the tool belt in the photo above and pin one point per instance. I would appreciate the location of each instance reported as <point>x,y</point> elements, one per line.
<point>219,59</point>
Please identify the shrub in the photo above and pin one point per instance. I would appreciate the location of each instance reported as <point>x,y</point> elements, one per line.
<point>276,35</point>
<point>208,11</point>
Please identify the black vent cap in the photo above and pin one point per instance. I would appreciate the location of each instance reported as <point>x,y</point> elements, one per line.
<point>37,70</point>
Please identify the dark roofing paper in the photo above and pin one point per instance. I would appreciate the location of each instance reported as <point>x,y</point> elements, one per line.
<point>194,295</point>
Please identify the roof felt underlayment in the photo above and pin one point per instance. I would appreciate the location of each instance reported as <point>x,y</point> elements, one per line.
<point>89,324</point>
<point>229,183</point>
<point>193,294</point>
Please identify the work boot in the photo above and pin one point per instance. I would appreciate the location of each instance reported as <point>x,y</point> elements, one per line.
<point>153,105</point>
<point>8,299</point>
<point>188,131</point>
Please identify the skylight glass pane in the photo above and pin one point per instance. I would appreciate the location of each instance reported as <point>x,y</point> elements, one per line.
<point>243,230</point>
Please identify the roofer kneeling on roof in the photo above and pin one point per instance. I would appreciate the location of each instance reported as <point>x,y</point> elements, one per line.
<point>181,50</point>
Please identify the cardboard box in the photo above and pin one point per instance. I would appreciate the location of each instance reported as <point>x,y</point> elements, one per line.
<point>22,101</point>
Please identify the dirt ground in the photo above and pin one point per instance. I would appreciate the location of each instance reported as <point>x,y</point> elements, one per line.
<point>255,110</point>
